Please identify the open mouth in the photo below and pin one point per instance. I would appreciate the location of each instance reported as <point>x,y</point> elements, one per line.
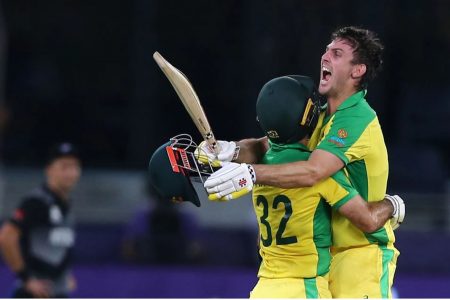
<point>326,74</point>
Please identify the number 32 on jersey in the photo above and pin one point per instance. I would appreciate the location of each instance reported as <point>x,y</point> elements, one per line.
<point>267,219</point>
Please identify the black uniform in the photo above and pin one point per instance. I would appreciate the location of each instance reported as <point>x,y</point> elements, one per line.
<point>47,239</point>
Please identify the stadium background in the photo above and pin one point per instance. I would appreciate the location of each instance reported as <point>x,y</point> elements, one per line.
<point>83,71</point>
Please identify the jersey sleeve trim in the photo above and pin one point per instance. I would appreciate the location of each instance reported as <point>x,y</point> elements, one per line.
<point>350,195</point>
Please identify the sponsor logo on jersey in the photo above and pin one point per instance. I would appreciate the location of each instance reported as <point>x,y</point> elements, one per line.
<point>337,141</point>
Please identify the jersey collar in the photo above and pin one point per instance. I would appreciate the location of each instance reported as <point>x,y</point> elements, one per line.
<point>353,100</point>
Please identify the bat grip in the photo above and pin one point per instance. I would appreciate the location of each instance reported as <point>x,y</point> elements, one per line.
<point>215,147</point>
<point>212,142</point>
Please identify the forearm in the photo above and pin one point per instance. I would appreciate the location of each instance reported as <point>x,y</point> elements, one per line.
<point>320,165</point>
<point>289,175</point>
<point>13,258</point>
<point>368,217</point>
<point>252,150</point>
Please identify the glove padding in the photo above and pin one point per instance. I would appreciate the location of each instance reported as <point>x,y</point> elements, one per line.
<point>399,210</point>
<point>232,181</point>
<point>228,152</point>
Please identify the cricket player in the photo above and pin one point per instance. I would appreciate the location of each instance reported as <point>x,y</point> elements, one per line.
<point>295,223</point>
<point>37,241</point>
<point>348,135</point>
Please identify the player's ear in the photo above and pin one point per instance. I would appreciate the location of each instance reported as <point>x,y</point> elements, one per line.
<point>358,71</point>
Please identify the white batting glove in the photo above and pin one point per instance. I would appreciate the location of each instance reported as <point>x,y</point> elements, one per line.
<point>229,151</point>
<point>399,210</point>
<point>232,181</point>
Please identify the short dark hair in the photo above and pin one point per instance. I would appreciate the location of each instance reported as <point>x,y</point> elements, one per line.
<point>367,50</point>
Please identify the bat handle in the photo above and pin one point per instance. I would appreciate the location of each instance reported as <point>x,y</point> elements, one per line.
<point>212,142</point>
<point>215,147</point>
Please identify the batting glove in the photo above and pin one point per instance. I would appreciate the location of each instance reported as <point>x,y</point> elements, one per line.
<point>399,210</point>
<point>232,181</point>
<point>229,151</point>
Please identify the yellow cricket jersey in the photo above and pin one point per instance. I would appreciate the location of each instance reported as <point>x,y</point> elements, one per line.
<point>354,134</point>
<point>295,224</point>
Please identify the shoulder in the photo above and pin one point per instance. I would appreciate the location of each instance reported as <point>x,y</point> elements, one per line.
<point>36,199</point>
<point>42,194</point>
<point>337,179</point>
<point>31,210</point>
<point>340,178</point>
<point>360,112</point>
<point>31,201</point>
<point>353,120</point>
<point>284,154</point>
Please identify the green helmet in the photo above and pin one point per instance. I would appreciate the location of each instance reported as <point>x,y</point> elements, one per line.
<point>168,176</point>
<point>287,109</point>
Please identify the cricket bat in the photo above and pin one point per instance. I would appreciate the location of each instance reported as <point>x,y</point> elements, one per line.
<point>190,100</point>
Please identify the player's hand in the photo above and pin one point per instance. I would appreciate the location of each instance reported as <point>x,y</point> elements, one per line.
<point>399,210</point>
<point>229,151</point>
<point>232,181</point>
<point>39,288</point>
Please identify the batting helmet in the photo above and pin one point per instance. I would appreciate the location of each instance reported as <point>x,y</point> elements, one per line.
<point>287,108</point>
<point>170,180</point>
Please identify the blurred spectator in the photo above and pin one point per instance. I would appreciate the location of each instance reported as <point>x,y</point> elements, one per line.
<point>37,241</point>
<point>161,233</point>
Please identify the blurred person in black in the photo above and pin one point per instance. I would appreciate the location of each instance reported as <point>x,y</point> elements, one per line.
<point>36,242</point>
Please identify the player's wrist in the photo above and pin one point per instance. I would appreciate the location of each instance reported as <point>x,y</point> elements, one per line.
<point>398,213</point>
<point>395,205</point>
<point>252,172</point>
<point>389,201</point>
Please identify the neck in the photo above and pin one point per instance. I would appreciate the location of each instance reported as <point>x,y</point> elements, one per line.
<point>61,192</point>
<point>334,101</point>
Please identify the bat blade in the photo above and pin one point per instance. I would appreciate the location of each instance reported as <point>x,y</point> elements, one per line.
<point>189,98</point>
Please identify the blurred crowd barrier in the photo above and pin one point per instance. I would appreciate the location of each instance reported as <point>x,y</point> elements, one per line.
<point>113,196</point>
<point>106,196</point>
